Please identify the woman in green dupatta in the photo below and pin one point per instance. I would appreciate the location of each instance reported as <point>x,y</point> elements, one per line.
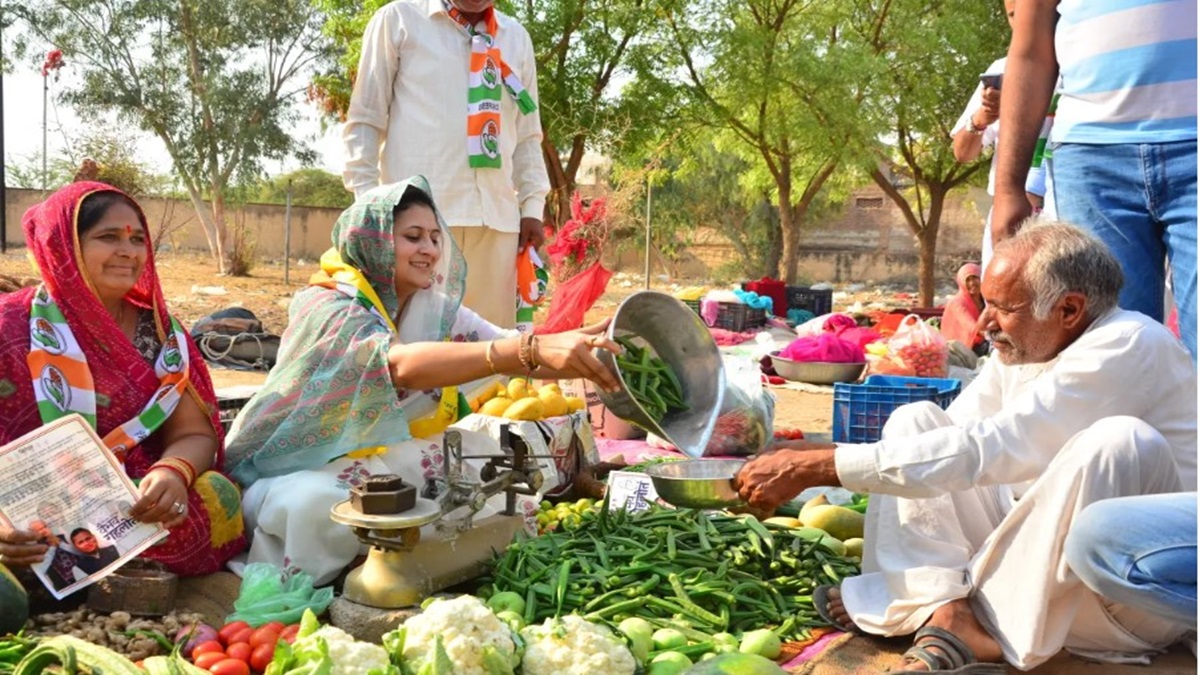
<point>377,341</point>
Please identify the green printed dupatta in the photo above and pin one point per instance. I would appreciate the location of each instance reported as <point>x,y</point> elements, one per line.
<point>331,392</point>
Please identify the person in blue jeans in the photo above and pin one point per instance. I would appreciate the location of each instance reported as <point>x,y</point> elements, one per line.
<point>1139,551</point>
<point>1123,144</point>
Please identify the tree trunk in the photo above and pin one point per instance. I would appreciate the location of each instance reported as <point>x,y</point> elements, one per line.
<point>558,202</point>
<point>927,238</point>
<point>788,227</point>
<point>770,266</point>
<point>206,222</point>
<point>222,232</point>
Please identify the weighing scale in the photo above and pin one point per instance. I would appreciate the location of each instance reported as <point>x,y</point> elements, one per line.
<point>387,514</point>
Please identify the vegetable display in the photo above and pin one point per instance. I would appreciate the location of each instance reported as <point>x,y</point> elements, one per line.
<point>677,569</point>
<point>651,382</point>
<point>458,636</point>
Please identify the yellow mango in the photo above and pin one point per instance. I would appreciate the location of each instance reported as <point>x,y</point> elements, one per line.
<point>531,409</point>
<point>575,404</point>
<point>553,402</point>
<point>495,407</point>
<point>518,388</point>
<point>838,521</point>
<point>854,547</point>
<point>783,521</point>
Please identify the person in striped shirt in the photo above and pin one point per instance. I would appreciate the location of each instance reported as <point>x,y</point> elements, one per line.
<point>1124,137</point>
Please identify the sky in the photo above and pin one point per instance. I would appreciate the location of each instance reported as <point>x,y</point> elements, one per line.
<point>23,127</point>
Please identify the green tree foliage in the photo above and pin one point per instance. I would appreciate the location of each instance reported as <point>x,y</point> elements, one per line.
<point>310,187</point>
<point>215,80</point>
<point>110,156</point>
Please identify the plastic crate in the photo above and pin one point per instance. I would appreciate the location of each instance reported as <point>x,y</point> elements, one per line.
<point>739,317</point>
<point>817,301</point>
<point>923,312</point>
<point>861,410</point>
<point>228,409</point>
<point>693,305</point>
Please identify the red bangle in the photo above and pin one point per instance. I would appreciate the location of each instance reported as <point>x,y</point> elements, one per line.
<point>172,469</point>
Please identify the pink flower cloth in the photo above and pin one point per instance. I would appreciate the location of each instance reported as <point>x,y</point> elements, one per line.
<point>824,348</point>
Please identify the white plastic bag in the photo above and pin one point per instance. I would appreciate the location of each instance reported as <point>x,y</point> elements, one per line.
<point>746,421</point>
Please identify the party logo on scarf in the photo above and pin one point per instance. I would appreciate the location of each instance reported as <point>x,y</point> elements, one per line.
<point>162,391</point>
<point>490,74</point>
<point>54,383</point>
<point>46,335</point>
<point>172,359</point>
<point>42,297</point>
<point>489,138</point>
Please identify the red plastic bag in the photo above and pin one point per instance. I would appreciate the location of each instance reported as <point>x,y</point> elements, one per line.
<point>824,348</point>
<point>573,298</point>
<point>917,348</point>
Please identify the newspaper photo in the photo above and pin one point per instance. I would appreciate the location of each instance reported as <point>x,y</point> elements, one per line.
<point>62,483</point>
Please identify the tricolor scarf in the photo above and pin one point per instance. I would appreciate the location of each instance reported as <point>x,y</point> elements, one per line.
<point>337,275</point>
<point>63,384</point>
<point>488,71</point>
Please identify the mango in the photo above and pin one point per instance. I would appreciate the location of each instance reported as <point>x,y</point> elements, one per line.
<point>529,409</point>
<point>814,534</point>
<point>819,500</point>
<point>854,547</point>
<point>553,402</point>
<point>838,521</point>
<point>552,388</point>
<point>495,407</point>
<point>783,521</point>
<point>518,388</point>
<point>575,404</point>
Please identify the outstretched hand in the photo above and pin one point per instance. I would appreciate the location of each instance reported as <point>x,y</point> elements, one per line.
<point>570,354</point>
<point>771,479</point>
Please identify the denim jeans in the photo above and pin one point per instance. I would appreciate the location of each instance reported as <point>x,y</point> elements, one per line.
<point>1140,552</point>
<point>1141,201</point>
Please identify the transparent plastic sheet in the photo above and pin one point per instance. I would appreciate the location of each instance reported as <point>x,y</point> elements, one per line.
<point>269,593</point>
<point>746,422</point>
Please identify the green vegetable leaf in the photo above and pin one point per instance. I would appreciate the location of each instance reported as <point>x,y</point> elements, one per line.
<point>439,662</point>
<point>308,624</point>
<point>494,663</point>
<point>282,659</point>
<point>393,642</point>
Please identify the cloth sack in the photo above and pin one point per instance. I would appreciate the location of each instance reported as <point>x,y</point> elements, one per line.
<point>823,348</point>
<point>234,338</point>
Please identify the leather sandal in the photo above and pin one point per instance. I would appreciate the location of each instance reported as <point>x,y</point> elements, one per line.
<point>944,653</point>
<point>820,598</point>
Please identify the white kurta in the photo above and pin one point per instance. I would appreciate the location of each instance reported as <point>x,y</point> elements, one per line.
<point>1113,415</point>
<point>408,116</point>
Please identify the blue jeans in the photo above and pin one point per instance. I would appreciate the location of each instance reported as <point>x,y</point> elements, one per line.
<point>1141,201</point>
<point>1140,552</point>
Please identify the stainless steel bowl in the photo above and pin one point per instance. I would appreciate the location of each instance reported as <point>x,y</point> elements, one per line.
<point>682,340</point>
<point>816,372</point>
<point>697,483</point>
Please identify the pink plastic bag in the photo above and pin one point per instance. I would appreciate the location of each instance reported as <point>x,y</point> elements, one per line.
<point>824,348</point>
<point>918,348</point>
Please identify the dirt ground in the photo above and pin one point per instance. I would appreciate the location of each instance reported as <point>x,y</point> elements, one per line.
<point>194,290</point>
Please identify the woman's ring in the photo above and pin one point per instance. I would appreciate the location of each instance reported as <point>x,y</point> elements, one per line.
<point>179,507</point>
<point>593,341</point>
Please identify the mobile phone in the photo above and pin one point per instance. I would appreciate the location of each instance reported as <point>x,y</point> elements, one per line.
<point>992,80</point>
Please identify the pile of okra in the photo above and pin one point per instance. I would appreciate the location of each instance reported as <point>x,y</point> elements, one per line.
<point>650,380</point>
<point>681,569</point>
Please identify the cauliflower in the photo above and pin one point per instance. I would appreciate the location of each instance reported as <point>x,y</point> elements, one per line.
<point>349,656</point>
<point>460,636</point>
<point>573,646</point>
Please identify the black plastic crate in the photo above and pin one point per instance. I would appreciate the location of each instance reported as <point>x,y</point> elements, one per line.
<point>739,317</point>
<point>817,301</point>
<point>693,305</point>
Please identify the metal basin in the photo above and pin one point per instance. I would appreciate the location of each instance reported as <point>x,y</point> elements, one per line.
<point>697,483</point>
<point>815,372</point>
<point>680,339</point>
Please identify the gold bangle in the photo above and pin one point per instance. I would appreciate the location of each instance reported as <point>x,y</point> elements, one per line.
<point>525,352</point>
<point>488,355</point>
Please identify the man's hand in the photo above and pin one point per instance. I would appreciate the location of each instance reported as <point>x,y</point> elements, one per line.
<point>1009,212</point>
<point>773,478</point>
<point>532,233</point>
<point>990,111</point>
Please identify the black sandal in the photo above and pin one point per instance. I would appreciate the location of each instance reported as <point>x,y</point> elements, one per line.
<point>944,653</point>
<point>820,598</point>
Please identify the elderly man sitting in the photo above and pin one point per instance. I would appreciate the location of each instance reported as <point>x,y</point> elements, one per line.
<point>971,505</point>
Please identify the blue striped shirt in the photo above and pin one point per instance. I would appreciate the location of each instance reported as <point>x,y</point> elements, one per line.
<point>1128,71</point>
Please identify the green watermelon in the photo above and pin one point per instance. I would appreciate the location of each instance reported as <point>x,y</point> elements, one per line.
<point>14,603</point>
<point>735,663</point>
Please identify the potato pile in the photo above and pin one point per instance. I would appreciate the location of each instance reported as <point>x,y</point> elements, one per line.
<point>134,637</point>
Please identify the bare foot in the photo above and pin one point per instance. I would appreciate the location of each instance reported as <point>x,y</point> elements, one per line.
<point>957,618</point>
<point>837,611</point>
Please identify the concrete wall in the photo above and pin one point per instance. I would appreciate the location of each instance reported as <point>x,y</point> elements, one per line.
<point>867,241</point>
<point>310,227</point>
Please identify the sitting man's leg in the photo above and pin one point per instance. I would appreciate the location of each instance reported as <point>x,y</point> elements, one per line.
<point>917,550</point>
<point>1140,552</point>
<point>1026,595</point>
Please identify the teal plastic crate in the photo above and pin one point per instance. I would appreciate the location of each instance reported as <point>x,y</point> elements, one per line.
<point>861,410</point>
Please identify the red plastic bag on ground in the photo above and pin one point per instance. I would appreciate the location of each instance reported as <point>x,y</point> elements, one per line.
<point>573,298</point>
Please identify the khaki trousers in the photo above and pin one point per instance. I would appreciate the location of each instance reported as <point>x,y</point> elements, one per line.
<point>491,272</point>
<point>1006,555</point>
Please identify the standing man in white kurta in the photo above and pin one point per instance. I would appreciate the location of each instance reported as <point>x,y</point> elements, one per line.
<point>970,506</point>
<point>448,89</point>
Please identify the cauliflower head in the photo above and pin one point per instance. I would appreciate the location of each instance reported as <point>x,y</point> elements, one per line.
<point>573,646</point>
<point>349,656</point>
<point>467,632</point>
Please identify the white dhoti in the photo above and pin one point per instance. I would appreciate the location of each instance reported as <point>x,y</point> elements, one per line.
<point>1006,554</point>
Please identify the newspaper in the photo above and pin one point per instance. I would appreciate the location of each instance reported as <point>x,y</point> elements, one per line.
<point>61,482</point>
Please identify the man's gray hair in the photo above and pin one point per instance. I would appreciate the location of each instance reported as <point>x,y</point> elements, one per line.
<point>1065,259</point>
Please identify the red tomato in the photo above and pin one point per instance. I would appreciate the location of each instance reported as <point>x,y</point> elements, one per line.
<point>240,651</point>
<point>276,626</point>
<point>207,659</point>
<point>261,658</point>
<point>230,667</point>
<point>242,635</point>
<point>230,629</point>
<point>264,636</point>
<point>207,647</point>
<point>288,634</point>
